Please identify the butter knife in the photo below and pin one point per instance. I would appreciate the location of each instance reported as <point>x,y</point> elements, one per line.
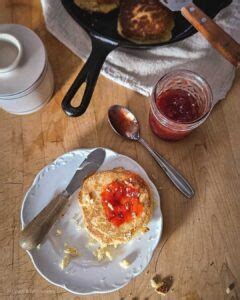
<point>215,35</point>
<point>33,234</point>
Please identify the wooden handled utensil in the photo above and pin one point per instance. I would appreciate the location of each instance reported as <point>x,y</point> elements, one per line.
<point>215,35</point>
<point>34,232</point>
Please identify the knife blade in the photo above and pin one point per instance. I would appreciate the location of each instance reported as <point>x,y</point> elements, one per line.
<point>175,5</point>
<point>33,234</point>
<point>89,166</point>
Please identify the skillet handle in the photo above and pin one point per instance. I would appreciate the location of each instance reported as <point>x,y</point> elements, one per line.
<point>216,36</point>
<point>88,74</point>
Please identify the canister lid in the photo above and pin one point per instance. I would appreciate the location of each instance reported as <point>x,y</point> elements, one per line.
<point>20,76</point>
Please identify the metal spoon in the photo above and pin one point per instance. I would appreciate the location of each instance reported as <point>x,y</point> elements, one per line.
<point>124,123</point>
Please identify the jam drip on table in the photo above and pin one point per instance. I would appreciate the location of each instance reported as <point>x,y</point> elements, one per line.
<point>178,105</point>
<point>121,202</point>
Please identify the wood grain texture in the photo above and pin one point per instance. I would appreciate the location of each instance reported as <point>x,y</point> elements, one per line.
<point>201,241</point>
<point>216,36</point>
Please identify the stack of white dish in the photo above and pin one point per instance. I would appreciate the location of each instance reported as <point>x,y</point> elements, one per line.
<point>26,79</point>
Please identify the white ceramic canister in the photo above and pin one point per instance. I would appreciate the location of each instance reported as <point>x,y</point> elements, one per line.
<point>26,79</point>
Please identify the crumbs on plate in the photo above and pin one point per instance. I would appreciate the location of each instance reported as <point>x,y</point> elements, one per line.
<point>64,262</point>
<point>58,232</point>
<point>101,252</point>
<point>145,229</point>
<point>69,253</point>
<point>124,263</point>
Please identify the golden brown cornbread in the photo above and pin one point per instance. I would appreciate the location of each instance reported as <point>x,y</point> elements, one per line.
<point>102,6</point>
<point>95,219</point>
<point>145,21</point>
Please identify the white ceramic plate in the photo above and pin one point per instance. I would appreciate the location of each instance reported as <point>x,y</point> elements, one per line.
<point>84,274</point>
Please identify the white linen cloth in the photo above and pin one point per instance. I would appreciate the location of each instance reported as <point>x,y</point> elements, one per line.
<point>139,70</point>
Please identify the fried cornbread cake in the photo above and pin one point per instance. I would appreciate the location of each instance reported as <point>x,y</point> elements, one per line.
<point>145,21</point>
<point>116,205</point>
<point>101,6</point>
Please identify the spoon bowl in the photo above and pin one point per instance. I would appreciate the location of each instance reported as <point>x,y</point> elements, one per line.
<point>123,122</point>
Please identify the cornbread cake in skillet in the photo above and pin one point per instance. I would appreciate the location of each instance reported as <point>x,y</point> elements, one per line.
<point>101,6</point>
<point>145,21</point>
<point>116,205</point>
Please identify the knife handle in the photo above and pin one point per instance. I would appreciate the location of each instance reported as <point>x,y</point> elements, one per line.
<point>216,36</point>
<point>33,234</point>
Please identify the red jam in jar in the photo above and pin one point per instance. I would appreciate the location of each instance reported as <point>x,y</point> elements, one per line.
<point>121,202</point>
<point>180,103</point>
<point>179,106</point>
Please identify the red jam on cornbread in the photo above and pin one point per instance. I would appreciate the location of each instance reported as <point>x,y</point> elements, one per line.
<point>121,202</point>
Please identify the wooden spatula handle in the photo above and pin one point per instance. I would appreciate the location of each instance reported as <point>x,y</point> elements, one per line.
<point>216,36</point>
<point>33,234</point>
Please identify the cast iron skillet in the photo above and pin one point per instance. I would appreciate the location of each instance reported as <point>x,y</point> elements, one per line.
<point>102,29</point>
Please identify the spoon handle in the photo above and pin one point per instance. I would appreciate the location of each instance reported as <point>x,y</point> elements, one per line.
<point>178,180</point>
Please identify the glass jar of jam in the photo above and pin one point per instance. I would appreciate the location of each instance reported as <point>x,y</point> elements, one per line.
<point>181,101</point>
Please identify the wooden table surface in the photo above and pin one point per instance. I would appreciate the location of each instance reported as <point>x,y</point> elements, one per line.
<point>200,246</point>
